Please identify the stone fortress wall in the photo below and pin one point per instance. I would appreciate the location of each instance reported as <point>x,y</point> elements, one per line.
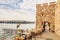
<point>49,13</point>
<point>57,18</point>
<point>45,13</point>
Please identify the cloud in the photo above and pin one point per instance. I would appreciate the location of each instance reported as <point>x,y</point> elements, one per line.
<point>16,15</point>
<point>10,4</point>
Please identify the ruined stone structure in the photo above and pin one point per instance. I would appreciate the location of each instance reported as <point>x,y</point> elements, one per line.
<point>45,13</point>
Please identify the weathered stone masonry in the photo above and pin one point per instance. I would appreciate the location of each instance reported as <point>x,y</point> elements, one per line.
<point>45,13</point>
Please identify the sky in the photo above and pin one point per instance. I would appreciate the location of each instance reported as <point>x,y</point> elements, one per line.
<point>16,9</point>
<point>22,4</point>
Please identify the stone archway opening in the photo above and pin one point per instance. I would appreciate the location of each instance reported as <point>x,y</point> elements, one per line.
<point>46,26</point>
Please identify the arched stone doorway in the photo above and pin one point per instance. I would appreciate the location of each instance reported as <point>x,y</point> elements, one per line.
<point>46,26</point>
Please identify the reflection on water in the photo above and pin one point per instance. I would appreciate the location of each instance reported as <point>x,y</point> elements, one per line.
<point>13,26</point>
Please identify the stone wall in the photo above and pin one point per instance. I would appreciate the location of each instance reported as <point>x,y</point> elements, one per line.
<point>57,18</point>
<point>45,12</point>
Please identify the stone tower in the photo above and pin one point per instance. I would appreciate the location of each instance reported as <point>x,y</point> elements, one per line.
<point>45,13</point>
